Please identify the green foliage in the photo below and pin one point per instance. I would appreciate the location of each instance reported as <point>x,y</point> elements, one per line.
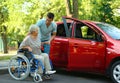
<point>99,10</point>
<point>3,16</point>
<point>18,15</point>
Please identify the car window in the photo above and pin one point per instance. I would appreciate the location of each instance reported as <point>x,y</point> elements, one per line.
<point>61,30</point>
<point>85,32</point>
<point>111,30</point>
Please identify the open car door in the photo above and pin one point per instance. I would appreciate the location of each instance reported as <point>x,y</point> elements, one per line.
<point>60,45</point>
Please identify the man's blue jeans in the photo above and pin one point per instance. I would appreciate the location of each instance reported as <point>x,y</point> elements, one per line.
<point>46,48</point>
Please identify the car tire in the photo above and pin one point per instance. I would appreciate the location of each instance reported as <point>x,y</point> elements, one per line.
<point>115,72</point>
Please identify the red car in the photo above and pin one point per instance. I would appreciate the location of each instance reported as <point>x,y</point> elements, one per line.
<point>87,46</point>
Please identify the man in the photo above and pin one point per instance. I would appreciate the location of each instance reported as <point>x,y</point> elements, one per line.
<point>46,28</point>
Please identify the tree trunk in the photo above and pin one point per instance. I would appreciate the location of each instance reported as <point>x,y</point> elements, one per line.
<point>75,8</point>
<point>4,38</point>
<point>68,8</point>
<point>72,10</point>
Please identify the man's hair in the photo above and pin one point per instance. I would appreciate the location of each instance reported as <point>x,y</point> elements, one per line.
<point>50,15</point>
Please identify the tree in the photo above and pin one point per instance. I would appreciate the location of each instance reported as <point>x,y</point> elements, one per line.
<point>72,8</point>
<point>68,8</point>
<point>75,8</point>
<point>23,13</point>
<point>3,26</point>
<point>18,15</point>
<point>106,12</point>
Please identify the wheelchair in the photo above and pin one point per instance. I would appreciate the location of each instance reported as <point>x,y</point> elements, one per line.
<point>24,64</point>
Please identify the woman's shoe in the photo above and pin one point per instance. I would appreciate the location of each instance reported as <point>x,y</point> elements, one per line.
<point>50,72</point>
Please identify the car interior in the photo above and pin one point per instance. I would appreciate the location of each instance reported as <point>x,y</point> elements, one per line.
<point>85,32</point>
<point>61,30</point>
<point>81,31</point>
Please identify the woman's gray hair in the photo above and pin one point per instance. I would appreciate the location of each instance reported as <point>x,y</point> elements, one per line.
<point>33,27</point>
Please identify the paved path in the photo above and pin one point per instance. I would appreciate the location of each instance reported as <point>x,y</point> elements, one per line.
<point>61,77</point>
<point>4,64</point>
<point>4,67</point>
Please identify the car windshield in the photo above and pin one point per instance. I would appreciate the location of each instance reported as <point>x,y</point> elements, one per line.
<point>111,30</point>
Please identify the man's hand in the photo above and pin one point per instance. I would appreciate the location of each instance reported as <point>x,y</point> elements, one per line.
<point>46,42</point>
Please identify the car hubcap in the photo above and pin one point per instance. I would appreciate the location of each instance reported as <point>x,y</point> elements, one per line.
<point>116,73</point>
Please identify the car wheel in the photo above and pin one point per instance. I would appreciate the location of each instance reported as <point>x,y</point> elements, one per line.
<point>115,72</point>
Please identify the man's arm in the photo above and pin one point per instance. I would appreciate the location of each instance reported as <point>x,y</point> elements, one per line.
<point>52,37</point>
<point>54,32</point>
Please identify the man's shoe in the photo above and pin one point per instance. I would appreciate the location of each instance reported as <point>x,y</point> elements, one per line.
<point>50,72</point>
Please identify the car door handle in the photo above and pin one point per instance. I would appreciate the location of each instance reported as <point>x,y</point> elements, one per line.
<point>93,43</point>
<point>75,45</point>
<point>57,42</point>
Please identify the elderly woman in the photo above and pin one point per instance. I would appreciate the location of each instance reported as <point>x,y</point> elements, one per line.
<point>32,43</point>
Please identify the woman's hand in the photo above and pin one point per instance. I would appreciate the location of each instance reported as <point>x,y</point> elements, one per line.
<point>29,48</point>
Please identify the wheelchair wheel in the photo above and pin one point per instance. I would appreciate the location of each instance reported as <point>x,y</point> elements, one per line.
<point>37,78</point>
<point>19,67</point>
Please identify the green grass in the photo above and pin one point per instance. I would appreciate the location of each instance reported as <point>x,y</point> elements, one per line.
<point>5,57</point>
